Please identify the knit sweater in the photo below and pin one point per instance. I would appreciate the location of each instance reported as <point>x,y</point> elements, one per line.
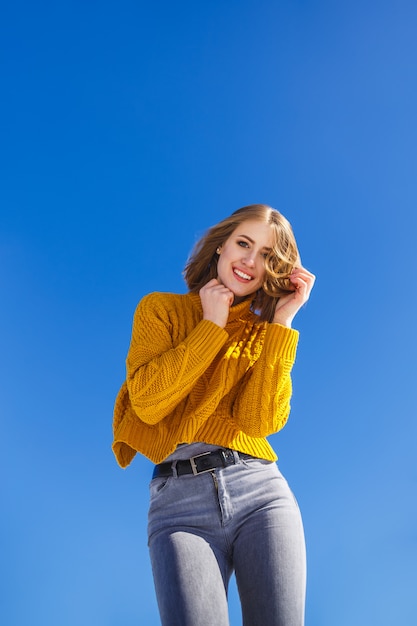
<point>189,380</point>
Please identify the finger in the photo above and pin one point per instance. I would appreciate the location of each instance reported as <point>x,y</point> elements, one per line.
<point>301,271</point>
<point>213,282</point>
<point>303,275</point>
<point>302,290</point>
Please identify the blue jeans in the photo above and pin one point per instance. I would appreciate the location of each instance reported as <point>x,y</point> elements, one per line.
<point>242,518</point>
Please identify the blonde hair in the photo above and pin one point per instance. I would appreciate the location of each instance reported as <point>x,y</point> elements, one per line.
<point>201,265</point>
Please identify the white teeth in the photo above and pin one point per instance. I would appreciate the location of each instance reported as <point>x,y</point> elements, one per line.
<point>243,275</point>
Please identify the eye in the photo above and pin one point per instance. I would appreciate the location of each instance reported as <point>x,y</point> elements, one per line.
<point>243,244</point>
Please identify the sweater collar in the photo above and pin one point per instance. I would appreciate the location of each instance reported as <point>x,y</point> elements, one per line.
<point>237,311</point>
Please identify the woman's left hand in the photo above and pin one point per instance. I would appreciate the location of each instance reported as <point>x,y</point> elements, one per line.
<point>288,306</point>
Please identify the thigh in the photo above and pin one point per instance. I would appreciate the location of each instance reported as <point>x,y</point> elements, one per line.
<point>188,582</point>
<point>270,559</point>
<point>190,569</point>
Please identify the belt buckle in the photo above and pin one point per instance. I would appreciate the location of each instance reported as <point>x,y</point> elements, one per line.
<point>194,467</point>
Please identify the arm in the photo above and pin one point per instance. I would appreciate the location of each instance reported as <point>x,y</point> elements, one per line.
<point>262,405</point>
<point>160,374</point>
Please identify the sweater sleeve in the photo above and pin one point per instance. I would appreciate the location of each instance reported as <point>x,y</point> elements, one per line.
<point>262,405</point>
<point>160,374</point>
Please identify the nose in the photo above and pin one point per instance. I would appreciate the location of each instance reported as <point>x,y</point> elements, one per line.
<point>249,259</point>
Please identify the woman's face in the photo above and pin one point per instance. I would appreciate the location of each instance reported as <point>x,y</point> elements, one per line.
<point>241,263</point>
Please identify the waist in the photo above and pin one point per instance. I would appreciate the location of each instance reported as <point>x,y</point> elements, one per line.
<point>200,463</point>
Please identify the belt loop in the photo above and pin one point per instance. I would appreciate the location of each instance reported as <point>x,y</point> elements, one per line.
<point>174,469</point>
<point>236,456</point>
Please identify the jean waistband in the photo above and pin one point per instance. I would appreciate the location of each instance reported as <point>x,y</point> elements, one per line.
<point>200,463</point>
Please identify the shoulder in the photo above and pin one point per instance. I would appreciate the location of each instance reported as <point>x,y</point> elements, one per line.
<point>158,302</point>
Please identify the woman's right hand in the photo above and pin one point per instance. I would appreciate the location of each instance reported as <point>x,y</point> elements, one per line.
<point>216,300</point>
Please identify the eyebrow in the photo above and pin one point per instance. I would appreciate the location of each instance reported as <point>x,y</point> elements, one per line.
<point>252,241</point>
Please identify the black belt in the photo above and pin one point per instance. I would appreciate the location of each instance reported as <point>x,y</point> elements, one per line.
<point>200,463</point>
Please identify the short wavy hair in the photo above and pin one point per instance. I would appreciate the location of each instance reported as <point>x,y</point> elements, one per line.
<point>201,265</point>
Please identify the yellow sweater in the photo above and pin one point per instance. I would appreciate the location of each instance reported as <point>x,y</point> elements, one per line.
<point>189,380</point>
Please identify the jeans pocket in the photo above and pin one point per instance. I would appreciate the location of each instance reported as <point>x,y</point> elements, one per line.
<point>158,485</point>
<point>255,462</point>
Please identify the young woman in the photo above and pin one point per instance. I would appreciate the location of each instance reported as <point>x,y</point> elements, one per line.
<point>208,379</point>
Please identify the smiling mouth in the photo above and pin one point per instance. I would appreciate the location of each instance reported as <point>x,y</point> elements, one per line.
<point>242,275</point>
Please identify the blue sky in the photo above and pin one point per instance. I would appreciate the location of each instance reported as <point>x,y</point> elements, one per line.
<point>127,129</point>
